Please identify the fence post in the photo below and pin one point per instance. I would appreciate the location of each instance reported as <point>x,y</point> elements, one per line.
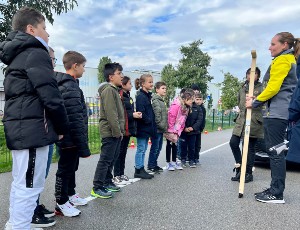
<point>213,121</point>
<point>222,119</point>
<point>229,118</point>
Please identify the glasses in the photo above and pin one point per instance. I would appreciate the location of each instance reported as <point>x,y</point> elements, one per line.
<point>54,60</point>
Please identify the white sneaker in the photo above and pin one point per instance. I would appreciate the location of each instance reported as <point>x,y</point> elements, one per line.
<point>76,200</point>
<point>119,181</point>
<point>178,166</point>
<point>170,167</point>
<point>8,226</point>
<point>126,179</point>
<point>66,209</point>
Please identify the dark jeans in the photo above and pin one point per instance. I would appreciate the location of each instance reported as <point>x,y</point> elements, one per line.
<point>65,176</point>
<point>235,148</point>
<point>171,147</point>
<point>197,146</point>
<point>119,166</point>
<point>188,146</point>
<point>110,150</point>
<point>155,149</point>
<point>274,135</point>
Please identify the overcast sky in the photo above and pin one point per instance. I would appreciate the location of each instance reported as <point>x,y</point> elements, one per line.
<point>142,34</point>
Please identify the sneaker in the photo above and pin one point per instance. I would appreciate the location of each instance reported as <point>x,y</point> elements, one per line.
<point>101,193</point>
<point>47,213</point>
<point>76,200</point>
<point>183,164</point>
<point>170,167</point>
<point>111,187</point>
<point>153,171</point>
<point>159,169</point>
<point>8,226</point>
<point>178,166</point>
<point>268,197</point>
<point>262,193</point>
<point>118,181</point>
<point>248,177</point>
<point>192,164</point>
<point>39,220</point>
<point>197,162</point>
<point>66,209</point>
<point>125,178</point>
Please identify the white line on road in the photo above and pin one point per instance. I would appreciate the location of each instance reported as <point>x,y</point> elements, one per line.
<point>214,148</point>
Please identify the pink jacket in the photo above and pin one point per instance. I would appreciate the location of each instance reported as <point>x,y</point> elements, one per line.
<point>177,115</point>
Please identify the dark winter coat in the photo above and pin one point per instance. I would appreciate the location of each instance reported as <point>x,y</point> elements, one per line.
<point>77,114</point>
<point>298,68</point>
<point>160,112</point>
<point>130,122</point>
<point>202,126</point>
<point>146,126</point>
<point>256,126</point>
<point>34,112</point>
<point>194,119</point>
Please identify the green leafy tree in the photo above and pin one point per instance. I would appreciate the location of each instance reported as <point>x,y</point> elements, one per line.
<point>210,102</point>
<point>103,61</point>
<point>192,68</point>
<point>47,8</point>
<point>168,74</point>
<point>230,88</point>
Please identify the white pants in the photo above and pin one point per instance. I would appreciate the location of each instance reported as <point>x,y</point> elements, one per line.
<point>29,171</point>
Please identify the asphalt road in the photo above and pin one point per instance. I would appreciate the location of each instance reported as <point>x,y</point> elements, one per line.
<point>195,198</point>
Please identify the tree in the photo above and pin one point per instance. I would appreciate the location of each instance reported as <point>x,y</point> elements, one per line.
<point>168,76</point>
<point>230,88</point>
<point>193,66</point>
<point>47,8</point>
<point>103,61</point>
<point>210,102</point>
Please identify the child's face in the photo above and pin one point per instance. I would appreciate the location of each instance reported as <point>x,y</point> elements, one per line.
<point>128,86</point>
<point>79,69</point>
<point>188,102</point>
<point>148,84</point>
<point>38,31</point>
<point>199,101</point>
<point>162,91</point>
<point>116,78</point>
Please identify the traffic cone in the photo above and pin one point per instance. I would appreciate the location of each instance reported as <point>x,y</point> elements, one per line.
<point>132,144</point>
<point>205,132</point>
<point>149,142</point>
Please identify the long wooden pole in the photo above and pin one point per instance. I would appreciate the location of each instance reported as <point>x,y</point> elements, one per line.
<point>247,127</point>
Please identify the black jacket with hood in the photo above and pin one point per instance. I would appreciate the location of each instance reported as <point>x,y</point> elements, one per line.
<point>34,112</point>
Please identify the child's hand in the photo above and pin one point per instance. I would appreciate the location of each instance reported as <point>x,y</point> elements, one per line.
<point>60,137</point>
<point>186,130</point>
<point>190,129</point>
<point>137,115</point>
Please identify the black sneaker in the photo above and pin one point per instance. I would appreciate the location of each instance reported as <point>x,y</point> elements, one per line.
<point>47,213</point>
<point>262,193</point>
<point>270,198</point>
<point>112,187</point>
<point>248,177</point>
<point>40,221</point>
<point>159,169</point>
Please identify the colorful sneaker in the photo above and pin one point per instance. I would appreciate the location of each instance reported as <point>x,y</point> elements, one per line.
<point>268,197</point>
<point>47,213</point>
<point>111,187</point>
<point>178,166</point>
<point>101,193</point>
<point>170,167</point>
<point>66,209</point>
<point>118,181</point>
<point>39,220</point>
<point>76,200</point>
<point>125,178</point>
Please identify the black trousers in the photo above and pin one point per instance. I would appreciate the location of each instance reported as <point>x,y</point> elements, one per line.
<point>110,150</point>
<point>65,176</point>
<point>235,147</point>
<point>197,146</point>
<point>119,166</point>
<point>171,148</point>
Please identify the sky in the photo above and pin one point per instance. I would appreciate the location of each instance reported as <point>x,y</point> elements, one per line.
<point>144,34</point>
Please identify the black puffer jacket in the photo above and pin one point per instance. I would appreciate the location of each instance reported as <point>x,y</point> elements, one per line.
<point>130,124</point>
<point>34,111</point>
<point>77,114</point>
<point>194,119</point>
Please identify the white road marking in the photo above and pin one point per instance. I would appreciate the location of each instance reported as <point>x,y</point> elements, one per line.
<point>218,146</point>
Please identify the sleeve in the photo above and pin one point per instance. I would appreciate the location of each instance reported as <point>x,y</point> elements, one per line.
<point>157,112</point>
<point>40,72</point>
<point>203,118</point>
<point>172,115</point>
<point>140,107</point>
<point>197,126</point>
<point>294,108</point>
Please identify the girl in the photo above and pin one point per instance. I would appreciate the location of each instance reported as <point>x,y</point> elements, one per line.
<point>146,126</point>
<point>177,114</point>
<point>130,130</point>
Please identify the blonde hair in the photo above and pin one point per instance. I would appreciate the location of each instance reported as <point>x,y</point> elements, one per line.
<point>140,81</point>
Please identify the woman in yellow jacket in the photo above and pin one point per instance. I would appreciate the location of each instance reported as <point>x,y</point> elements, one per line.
<point>279,83</point>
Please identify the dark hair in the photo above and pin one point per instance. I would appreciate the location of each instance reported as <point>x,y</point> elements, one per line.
<point>72,57</point>
<point>297,48</point>
<point>159,84</point>
<point>198,95</point>
<point>286,37</point>
<point>139,81</point>
<point>26,16</point>
<point>187,95</point>
<point>125,80</point>
<point>195,87</point>
<point>110,69</point>
<point>257,70</point>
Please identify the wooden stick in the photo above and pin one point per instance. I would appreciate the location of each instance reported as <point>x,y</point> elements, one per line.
<point>247,127</point>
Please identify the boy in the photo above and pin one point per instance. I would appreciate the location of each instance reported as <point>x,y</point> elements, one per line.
<point>75,142</point>
<point>199,102</point>
<point>112,123</point>
<point>161,120</point>
<point>34,115</point>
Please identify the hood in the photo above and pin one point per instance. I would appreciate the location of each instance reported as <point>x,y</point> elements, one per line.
<point>157,97</point>
<point>103,86</point>
<point>63,77</point>
<point>15,43</point>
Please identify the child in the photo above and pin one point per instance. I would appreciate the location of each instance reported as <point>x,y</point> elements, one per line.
<point>177,114</point>
<point>112,123</point>
<point>146,126</point>
<point>75,143</point>
<point>161,120</point>
<point>190,132</point>
<point>130,130</point>
<point>34,115</point>
<point>199,102</point>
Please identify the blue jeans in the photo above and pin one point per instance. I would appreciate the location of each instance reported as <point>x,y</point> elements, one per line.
<point>142,144</point>
<point>155,150</point>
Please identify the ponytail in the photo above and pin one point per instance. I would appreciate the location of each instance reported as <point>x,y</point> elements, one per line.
<point>297,48</point>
